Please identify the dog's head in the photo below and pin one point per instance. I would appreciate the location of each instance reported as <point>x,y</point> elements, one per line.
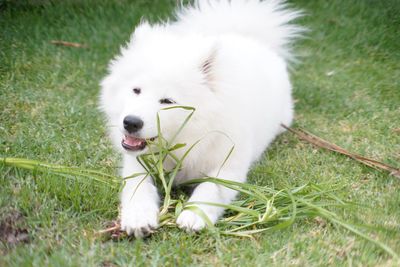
<point>156,70</point>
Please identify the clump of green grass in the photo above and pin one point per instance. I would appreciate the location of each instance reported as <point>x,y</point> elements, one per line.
<point>260,208</point>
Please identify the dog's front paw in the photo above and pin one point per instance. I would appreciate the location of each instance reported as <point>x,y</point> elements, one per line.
<point>139,221</point>
<point>190,221</point>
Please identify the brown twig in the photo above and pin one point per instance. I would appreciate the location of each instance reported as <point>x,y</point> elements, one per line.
<point>114,231</point>
<point>63,43</point>
<point>114,228</point>
<point>319,142</point>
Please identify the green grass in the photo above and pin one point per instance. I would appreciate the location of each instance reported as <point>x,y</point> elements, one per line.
<point>48,96</point>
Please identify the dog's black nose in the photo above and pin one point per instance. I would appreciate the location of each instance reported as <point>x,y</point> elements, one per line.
<point>132,124</point>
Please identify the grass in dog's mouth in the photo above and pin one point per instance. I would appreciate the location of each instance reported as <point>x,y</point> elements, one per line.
<point>259,209</point>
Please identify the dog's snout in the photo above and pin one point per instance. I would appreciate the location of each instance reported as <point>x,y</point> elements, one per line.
<point>132,124</point>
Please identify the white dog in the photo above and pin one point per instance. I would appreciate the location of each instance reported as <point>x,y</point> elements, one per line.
<point>225,58</point>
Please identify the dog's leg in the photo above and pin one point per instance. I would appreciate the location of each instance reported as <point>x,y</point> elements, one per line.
<point>210,192</point>
<point>139,201</point>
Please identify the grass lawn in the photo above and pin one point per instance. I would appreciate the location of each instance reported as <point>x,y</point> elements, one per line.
<point>347,90</point>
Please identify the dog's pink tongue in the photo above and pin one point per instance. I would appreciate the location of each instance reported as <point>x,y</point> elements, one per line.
<point>134,142</point>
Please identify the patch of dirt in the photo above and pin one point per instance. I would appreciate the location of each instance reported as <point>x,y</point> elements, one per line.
<point>11,232</point>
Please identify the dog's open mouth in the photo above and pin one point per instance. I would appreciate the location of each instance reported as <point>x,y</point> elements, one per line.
<point>135,143</point>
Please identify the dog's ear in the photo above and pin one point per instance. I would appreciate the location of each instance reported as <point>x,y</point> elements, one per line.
<point>207,66</point>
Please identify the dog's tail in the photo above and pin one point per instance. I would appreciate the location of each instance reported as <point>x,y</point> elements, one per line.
<point>268,21</point>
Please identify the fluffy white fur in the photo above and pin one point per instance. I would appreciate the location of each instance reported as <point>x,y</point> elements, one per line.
<point>226,59</point>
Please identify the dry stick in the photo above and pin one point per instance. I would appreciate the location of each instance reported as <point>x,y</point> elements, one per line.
<point>114,231</point>
<point>319,142</point>
<point>63,43</point>
<point>113,228</point>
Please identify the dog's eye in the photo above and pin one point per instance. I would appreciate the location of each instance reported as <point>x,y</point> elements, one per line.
<point>167,101</point>
<point>137,90</point>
